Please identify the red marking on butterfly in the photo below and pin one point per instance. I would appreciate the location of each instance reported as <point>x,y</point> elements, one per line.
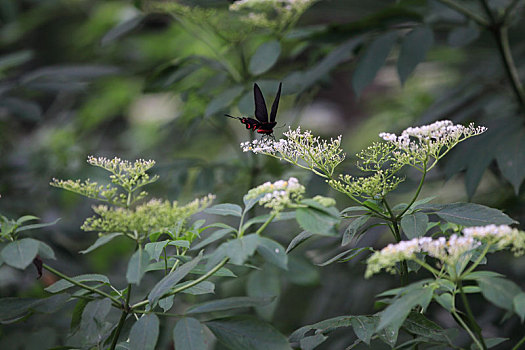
<point>262,125</point>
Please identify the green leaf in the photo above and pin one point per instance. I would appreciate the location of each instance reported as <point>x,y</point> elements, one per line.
<point>121,29</point>
<point>155,249</point>
<point>301,271</point>
<point>12,309</point>
<point>180,243</point>
<point>311,342</point>
<point>481,274</point>
<point>264,283</point>
<point>511,158</point>
<point>273,252</point>
<point>345,256</point>
<point>354,208</point>
<point>144,333</point>
<point>222,272</point>
<point>92,325</point>
<point>222,101</point>
<point>215,236</point>
<point>414,225</point>
<point>300,238</point>
<point>36,226</point>
<point>228,304</point>
<point>418,324</point>
<point>499,291</point>
<point>324,326</point>
<point>101,241</point>
<point>364,327</point>
<point>19,254</point>
<point>469,214</point>
<point>165,284</point>
<point>137,266</point>
<point>188,334</point>
<point>225,209</point>
<point>372,60</point>
<point>45,251</point>
<point>519,305</point>
<point>62,284</point>
<point>204,287</point>
<point>463,35</point>
<point>317,221</point>
<point>76,315</point>
<point>353,228</point>
<point>394,315</point>
<point>265,57</point>
<point>446,300</point>
<point>242,333</point>
<point>263,218</point>
<point>414,48</point>
<point>238,250</point>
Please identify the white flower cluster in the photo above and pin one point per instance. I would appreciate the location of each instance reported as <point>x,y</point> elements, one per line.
<point>301,149</point>
<point>277,195</point>
<point>418,144</point>
<point>447,251</point>
<point>501,236</point>
<point>117,165</point>
<point>288,5</point>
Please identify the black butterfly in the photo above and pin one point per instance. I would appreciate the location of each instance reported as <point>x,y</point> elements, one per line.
<point>261,124</point>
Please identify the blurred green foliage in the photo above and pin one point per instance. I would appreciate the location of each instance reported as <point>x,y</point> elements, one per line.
<point>151,79</point>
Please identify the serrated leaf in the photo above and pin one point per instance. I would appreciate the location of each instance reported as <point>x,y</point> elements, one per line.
<point>372,60</point>
<point>62,284</point>
<point>414,48</point>
<point>273,252</point>
<point>264,57</point>
<point>238,250</point>
<point>155,249</point>
<point>225,209</point>
<point>241,333</point>
<point>324,326</point>
<point>519,305</point>
<point>364,327</point>
<point>471,214</point>
<point>317,221</point>
<point>353,228</point>
<point>188,334</point>
<point>101,241</point>
<point>499,291</point>
<point>165,284</point>
<point>264,283</point>
<point>414,225</point>
<point>144,333</point>
<point>215,236</point>
<point>300,238</point>
<point>345,256</point>
<point>394,315</point>
<point>19,254</point>
<point>137,266</point>
<point>228,304</point>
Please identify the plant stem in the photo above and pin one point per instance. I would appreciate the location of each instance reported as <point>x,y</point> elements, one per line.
<point>472,320</point>
<point>466,12</point>
<point>425,170</point>
<point>189,285</point>
<point>465,327</point>
<point>270,219</point>
<point>123,316</point>
<point>500,32</point>
<point>477,262</point>
<point>519,344</point>
<point>82,285</point>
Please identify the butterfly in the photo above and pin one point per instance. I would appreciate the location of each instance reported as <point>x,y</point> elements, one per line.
<point>261,124</point>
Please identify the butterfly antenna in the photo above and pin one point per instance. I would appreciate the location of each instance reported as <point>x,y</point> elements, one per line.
<point>232,116</point>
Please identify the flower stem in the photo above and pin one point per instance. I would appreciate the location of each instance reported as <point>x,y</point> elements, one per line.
<point>261,229</point>
<point>519,344</point>
<point>115,301</point>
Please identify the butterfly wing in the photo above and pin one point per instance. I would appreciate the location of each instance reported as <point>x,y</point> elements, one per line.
<point>275,105</point>
<point>261,113</point>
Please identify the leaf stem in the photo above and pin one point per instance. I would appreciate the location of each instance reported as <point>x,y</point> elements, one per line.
<point>115,301</point>
<point>465,12</point>
<point>462,323</point>
<point>123,316</point>
<point>470,315</point>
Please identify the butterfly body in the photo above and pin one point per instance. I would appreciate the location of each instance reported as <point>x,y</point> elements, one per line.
<point>262,125</point>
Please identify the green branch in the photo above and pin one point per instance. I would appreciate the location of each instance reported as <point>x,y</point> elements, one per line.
<point>466,12</point>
